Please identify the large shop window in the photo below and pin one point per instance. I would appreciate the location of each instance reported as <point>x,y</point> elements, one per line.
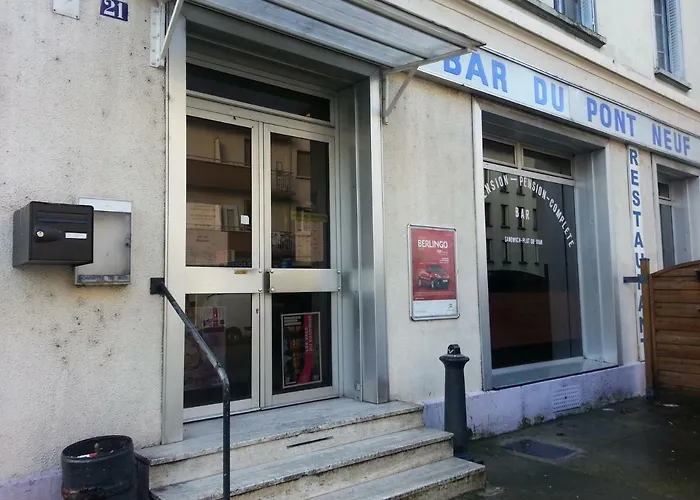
<point>533,276</point>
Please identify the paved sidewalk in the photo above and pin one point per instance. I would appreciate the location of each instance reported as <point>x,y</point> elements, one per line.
<point>631,450</point>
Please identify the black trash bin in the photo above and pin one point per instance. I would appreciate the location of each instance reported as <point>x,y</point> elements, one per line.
<point>99,468</point>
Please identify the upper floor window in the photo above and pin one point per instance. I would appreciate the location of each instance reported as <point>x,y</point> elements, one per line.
<point>579,11</point>
<point>669,46</point>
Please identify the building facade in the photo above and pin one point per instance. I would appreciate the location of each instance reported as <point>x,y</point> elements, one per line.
<point>275,158</point>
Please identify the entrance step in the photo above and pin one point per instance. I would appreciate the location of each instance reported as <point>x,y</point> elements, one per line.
<point>442,480</point>
<point>266,436</point>
<point>324,471</point>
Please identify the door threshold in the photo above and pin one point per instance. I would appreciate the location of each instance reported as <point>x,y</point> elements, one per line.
<point>260,409</point>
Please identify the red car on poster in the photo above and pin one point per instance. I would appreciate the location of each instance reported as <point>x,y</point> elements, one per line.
<point>433,276</point>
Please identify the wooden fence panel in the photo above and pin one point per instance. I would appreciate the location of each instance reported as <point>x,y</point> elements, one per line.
<point>671,302</point>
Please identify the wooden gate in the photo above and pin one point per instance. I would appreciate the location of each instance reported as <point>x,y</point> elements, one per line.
<point>671,302</point>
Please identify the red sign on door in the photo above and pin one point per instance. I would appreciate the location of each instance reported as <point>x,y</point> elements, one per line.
<point>433,273</point>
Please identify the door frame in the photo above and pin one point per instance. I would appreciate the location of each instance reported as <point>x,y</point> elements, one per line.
<point>181,279</point>
<point>316,280</point>
<point>363,365</point>
<point>230,280</point>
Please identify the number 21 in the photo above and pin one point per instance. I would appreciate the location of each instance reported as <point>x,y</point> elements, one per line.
<point>116,9</point>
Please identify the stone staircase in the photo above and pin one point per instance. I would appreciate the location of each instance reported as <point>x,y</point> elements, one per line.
<point>328,450</point>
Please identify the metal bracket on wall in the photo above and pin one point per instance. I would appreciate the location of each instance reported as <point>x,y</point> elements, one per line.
<point>156,286</point>
<point>162,33</point>
<point>639,279</point>
<point>389,106</point>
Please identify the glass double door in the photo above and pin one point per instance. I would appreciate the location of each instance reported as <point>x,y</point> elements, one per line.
<point>261,276</point>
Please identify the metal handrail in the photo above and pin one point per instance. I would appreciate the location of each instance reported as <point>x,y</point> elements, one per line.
<point>158,288</point>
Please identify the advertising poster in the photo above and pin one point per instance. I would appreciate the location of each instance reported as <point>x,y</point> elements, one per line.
<point>433,273</point>
<point>301,349</point>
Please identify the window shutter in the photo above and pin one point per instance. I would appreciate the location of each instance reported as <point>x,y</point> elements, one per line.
<point>588,13</point>
<point>675,38</point>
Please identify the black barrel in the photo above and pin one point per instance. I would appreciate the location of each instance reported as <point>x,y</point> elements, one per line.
<point>99,468</point>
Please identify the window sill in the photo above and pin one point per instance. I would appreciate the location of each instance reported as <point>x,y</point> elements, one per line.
<point>672,79</point>
<point>561,21</point>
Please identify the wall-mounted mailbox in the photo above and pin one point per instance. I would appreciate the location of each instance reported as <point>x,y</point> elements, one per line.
<point>112,262</point>
<point>52,233</point>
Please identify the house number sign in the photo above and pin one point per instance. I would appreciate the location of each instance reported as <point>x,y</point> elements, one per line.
<point>115,9</point>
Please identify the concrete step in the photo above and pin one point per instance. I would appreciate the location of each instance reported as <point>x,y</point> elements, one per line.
<point>442,480</point>
<point>265,436</point>
<point>313,474</point>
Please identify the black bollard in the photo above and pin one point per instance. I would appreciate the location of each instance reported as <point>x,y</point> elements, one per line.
<point>456,400</point>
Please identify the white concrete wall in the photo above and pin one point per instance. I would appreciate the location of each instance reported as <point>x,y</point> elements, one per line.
<point>690,10</point>
<point>82,115</point>
<point>429,179</point>
<point>628,26</point>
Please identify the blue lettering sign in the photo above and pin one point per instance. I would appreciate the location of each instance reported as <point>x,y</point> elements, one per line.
<point>667,139</point>
<point>592,107</point>
<point>540,91</point>
<point>631,119</point>
<point>453,65</point>
<point>490,73</point>
<point>670,139</point>
<point>656,134</point>
<point>638,241</point>
<point>637,216</point>
<point>476,68</point>
<point>558,91</point>
<point>498,70</point>
<point>677,143</point>
<point>605,115</point>
<point>611,116</point>
<point>620,122</point>
<point>634,174</point>
<point>634,157</point>
<point>542,94</point>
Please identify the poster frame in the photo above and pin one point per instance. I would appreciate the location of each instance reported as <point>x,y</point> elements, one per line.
<point>410,228</point>
<point>317,322</point>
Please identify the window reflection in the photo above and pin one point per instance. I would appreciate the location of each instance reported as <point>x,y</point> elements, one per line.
<point>300,203</point>
<point>219,194</point>
<point>225,323</point>
<point>532,272</point>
